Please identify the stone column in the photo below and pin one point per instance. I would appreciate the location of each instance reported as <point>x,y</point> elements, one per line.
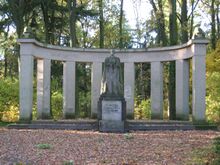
<point>129,84</point>
<point>43,88</point>
<point>26,87</point>
<point>199,82</point>
<point>69,77</point>
<point>96,87</point>
<point>156,90</point>
<point>182,89</point>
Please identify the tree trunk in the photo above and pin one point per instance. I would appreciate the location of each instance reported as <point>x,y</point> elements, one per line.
<point>20,24</point>
<point>121,26</point>
<point>173,41</point>
<point>17,8</point>
<point>184,23</point>
<point>192,19</point>
<point>218,20</point>
<point>213,28</point>
<point>101,24</point>
<point>62,24</point>
<point>161,26</point>
<point>5,65</point>
<point>173,22</point>
<point>72,21</point>
<point>52,28</point>
<point>46,21</point>
<point>193,7</point>
<point>161,31</point>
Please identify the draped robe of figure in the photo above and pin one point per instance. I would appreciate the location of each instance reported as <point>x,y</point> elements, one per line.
<point>111,78</point>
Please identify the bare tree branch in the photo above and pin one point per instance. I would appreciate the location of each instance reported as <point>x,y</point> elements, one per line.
<point>193,8</point>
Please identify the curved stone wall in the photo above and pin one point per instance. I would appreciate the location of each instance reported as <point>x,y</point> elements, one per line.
<point>32,49</point>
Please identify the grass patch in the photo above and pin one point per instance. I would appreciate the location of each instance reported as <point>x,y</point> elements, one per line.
<point>128,136</point>
<point>5,124</point>
<point>44,146</point>
<point>209,155</point>
<point>205,125</point>
<point>68,162</point>
<point>217,145</point>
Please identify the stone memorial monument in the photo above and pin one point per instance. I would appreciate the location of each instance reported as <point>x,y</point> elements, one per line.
<point>112,105</point>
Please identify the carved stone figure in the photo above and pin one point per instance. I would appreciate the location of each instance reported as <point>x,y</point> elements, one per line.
<point>112,78</point>
<point>198,33</point>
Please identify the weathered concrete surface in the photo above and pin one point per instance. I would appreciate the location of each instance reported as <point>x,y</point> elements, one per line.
<point>195,49</point>
<point>199,88</point>
<point>131,125</point>
<point>96,87</point>
<point>26,87</point>
<point>171,53</point>
<point>43,88</point>
<point>156,90</point>
<point>129,86</point>
<point>182,89</point>
<point>111,126</point>
<point>69,77</point>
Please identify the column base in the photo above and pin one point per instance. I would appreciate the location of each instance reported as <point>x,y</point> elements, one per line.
<point>94,115</point>
<point>130,116</point>
<point>199,122</point>
<point>45,116</point>
<point>25,120</point>
<point>182,117</point>
<point>69,116</point>
<point>156,116</point>
<point>111,126</point>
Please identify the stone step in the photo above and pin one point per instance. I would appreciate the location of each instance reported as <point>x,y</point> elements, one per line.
<point>167,125</point>
<point>68,121</point>
<point>143,125</point>
<point>57,125</point>
<point>151,127</point>
<point>171,122</point>
<point>131,125</point>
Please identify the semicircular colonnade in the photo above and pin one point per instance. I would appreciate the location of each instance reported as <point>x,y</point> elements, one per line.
<point>31,49</point>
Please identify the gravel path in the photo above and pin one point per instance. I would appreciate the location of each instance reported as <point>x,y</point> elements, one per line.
<point>87,147</point>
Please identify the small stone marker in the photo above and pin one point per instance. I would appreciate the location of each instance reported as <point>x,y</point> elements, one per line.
<point>112,105</point>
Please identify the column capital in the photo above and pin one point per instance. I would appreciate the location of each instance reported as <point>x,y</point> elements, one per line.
<point>199,47</point>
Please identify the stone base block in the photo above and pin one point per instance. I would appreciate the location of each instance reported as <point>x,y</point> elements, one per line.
<point>45,116</point>
<point>112,126</point>
<point>157,116</point>
<point>69,115</point>
<point>111,108</point>
<point>182,117</point>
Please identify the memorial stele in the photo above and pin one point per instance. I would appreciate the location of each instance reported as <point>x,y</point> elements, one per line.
<point>112,105</point>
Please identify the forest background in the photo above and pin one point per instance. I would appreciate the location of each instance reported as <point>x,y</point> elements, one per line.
<point>103,24</point>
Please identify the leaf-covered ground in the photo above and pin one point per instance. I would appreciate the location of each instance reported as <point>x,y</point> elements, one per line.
<point>86,147</point>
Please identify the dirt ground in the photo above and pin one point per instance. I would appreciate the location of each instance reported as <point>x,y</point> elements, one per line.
<point>60,147</point>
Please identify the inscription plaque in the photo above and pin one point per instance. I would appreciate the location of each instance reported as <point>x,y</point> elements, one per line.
<point>111,110</point>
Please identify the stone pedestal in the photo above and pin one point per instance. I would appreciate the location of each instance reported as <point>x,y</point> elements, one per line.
<point>111,114</point>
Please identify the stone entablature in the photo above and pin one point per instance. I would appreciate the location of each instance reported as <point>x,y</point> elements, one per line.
<point>169,53</point>
<point>32,49</point>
